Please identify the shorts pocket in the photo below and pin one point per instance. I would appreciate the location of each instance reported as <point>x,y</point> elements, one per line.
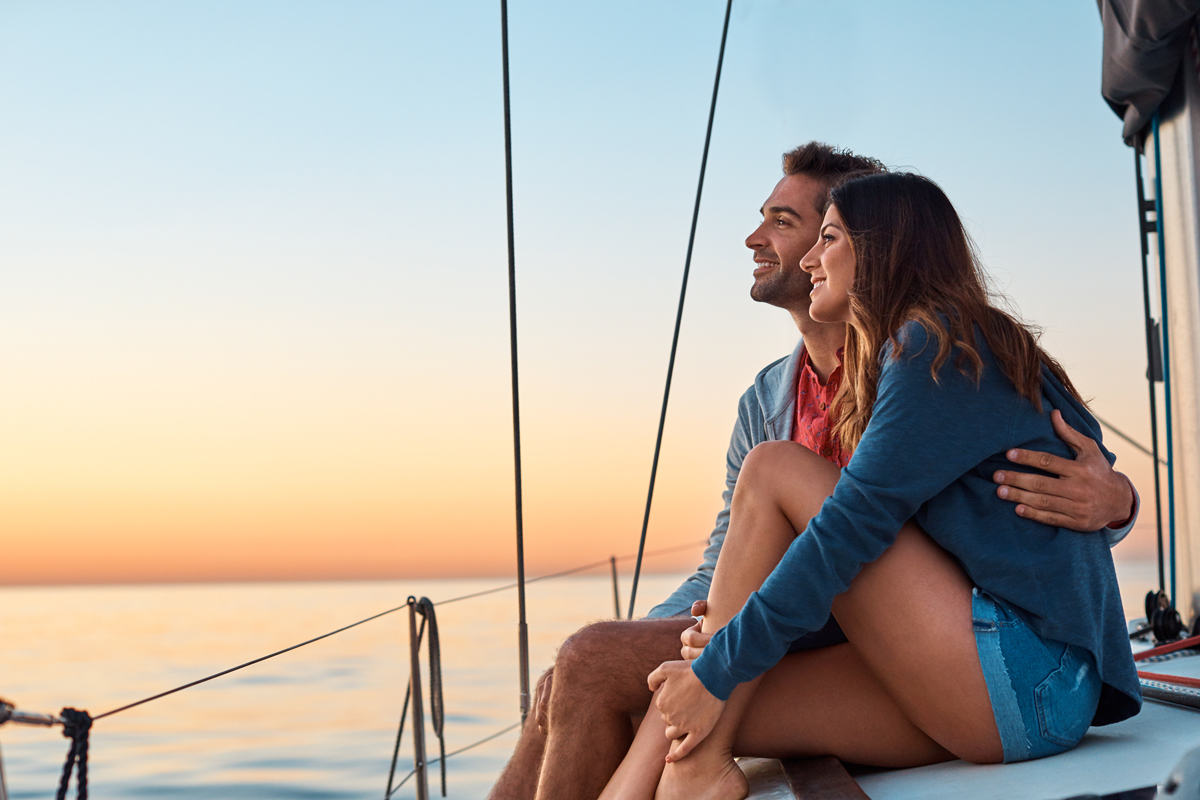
<point>1066,700</point>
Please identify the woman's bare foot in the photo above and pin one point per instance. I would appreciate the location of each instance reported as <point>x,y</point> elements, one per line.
<point>703,776</point>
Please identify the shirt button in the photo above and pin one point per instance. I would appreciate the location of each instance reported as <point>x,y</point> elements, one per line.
<point>822,406</point>
<point>827,451</point>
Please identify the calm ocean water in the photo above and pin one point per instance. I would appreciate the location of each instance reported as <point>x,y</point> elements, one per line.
<point>319,722</point>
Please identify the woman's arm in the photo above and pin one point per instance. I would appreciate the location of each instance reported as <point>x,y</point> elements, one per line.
<point>923,436</point>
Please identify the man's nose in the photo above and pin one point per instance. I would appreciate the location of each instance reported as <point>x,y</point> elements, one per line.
<point>755,240</point>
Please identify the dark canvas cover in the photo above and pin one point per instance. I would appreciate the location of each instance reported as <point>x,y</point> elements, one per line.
<point>1144,42</point>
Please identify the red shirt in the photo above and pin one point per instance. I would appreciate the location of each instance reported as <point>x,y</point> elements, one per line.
<point>813,427</point>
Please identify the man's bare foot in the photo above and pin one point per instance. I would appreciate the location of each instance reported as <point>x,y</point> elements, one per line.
<point>702,776</point>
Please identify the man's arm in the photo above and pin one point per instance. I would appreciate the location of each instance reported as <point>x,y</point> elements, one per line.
<point>749,421</point>
<point>1085,494</point>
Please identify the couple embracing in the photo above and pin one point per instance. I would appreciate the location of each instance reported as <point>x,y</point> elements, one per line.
<point>882,586</point>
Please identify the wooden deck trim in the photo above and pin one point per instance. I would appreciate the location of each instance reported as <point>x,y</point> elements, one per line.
<point>821,778</point>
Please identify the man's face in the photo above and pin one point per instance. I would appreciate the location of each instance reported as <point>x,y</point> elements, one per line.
<point>789,229</point>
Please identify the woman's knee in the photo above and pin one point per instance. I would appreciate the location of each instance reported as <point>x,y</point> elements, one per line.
<point>784,473</point>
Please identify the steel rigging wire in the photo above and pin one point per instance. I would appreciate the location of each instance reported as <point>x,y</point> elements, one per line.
<point>687,266</point>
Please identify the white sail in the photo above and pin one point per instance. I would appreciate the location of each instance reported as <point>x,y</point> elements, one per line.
<point>1178,137</point>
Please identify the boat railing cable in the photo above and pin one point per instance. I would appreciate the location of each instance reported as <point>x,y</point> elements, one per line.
<point>687,266</point>
<point>76,724</point>
<point>259,660</point>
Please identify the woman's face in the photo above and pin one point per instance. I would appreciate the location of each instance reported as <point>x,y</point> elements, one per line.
<point>831,264</point>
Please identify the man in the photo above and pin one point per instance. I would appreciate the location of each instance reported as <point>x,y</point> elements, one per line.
<point>580,727</point>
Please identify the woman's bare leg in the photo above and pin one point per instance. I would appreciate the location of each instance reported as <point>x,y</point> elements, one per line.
<point>637,776</point>
<point>894,622</point>
<point>739,571</point>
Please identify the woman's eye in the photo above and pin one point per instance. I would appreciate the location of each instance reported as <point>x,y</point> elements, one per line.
<point>826,238</point>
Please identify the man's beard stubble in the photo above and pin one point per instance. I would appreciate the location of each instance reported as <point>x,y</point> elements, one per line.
<point>784,287</point>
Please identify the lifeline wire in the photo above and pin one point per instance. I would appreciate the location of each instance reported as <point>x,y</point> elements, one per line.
<point>247,664</point>
<point>369,619</point>
<point>484,740</point>
<point>687,266</point>
<point>522,629</point>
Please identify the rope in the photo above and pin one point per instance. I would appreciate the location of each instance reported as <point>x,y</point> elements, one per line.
<point>1178,680</point>
<point>1171,647</point>
<point>687,267</point>
<point>1169,657</point>
<point>437,706</point>
<point>76,725</point>
<point>522,629</point>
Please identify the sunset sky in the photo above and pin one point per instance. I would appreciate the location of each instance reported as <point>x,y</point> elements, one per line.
<point>254,317</point>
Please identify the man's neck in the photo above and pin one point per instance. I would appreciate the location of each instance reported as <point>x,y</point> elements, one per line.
<point>822,340</point>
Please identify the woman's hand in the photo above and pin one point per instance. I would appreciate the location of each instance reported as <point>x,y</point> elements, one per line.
<point>693,639</point>
<point>689,710</point>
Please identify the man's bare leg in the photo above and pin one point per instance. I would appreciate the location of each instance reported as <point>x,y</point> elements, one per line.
<point>518,780</point>
<point>599,684</point>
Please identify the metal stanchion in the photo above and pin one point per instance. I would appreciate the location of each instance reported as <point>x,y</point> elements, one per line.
<point>418,715</point>
<point>8,713</point>
<point>612,562</point>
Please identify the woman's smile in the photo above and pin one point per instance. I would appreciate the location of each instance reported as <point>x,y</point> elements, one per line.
<point>831,263</point>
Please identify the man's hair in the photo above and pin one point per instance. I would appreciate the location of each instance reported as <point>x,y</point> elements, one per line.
<point>828,165</point>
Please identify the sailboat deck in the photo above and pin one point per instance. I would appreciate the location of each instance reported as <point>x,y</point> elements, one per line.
<point>1128,755</point>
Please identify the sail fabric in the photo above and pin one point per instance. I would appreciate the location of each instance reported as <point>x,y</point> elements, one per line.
<point>1144,43</point>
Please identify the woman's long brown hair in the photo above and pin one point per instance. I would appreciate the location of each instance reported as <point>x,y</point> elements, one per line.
<point>915,262</point>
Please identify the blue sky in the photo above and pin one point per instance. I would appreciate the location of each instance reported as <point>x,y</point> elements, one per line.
<point>254,259</point>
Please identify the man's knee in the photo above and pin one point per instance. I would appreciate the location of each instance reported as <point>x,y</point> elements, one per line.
<point>587,655</point>
<point>609,662</point>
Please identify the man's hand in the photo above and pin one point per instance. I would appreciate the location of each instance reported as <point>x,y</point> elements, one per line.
<point>1087,495</point>
<point>689,710</point>
<point>541,701</point>
<point>693,639</point>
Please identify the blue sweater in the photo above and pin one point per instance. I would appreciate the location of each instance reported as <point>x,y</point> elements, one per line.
<point>1062,583</point>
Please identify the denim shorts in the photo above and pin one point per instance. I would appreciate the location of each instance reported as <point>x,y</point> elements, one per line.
<point>1044,693</point>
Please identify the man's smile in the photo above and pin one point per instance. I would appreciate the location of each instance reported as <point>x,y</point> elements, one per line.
<point>764,265</point>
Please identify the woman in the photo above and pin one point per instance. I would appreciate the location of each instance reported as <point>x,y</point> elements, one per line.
<point>973,633</point>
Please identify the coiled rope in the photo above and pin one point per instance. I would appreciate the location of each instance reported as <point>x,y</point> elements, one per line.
<point>76,726</point>
<point>437,711</point>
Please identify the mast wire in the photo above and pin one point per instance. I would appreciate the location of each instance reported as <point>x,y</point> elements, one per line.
<point>687,266</point>
<point>522,628</point>
<point>1166,347</point>
<point>1152,375</point>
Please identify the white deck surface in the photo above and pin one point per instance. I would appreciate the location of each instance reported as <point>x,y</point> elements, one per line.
<point>1137,752</point>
